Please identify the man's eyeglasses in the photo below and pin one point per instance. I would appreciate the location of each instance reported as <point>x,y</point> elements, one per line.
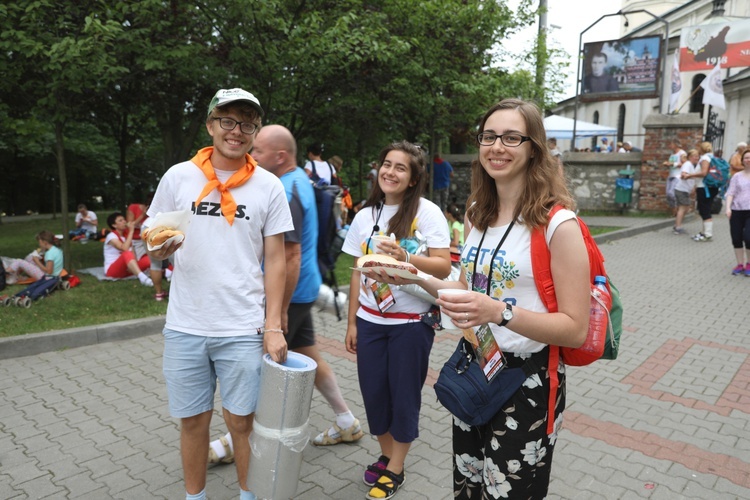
<point>508,140</point>
<point>229,124</point>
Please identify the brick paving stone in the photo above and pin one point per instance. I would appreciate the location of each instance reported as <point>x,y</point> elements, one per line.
<point>667,419</point>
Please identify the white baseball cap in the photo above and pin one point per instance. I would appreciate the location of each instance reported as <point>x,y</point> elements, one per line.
<point>225,96</point>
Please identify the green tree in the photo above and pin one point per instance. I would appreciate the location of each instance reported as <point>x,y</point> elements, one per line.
<point>62,51</point>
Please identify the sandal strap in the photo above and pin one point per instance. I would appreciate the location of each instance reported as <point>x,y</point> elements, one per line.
<point>377,470</point>
<point>390,487</point>
<point>398,478</point>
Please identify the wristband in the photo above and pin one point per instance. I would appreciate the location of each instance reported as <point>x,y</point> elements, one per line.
<point>279,330</point>
<point>407,256</point>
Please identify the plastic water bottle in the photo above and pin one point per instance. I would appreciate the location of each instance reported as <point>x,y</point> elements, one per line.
<point>601,303</point>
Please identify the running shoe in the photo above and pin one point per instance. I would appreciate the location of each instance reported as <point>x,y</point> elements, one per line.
<point>740,269</point>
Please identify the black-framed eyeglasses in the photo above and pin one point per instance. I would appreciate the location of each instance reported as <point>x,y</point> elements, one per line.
<point>230,124</point>
<point>508,140</point>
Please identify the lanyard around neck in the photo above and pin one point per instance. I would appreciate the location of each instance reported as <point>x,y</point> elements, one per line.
<point>375,227</point>
<point>494,254</point>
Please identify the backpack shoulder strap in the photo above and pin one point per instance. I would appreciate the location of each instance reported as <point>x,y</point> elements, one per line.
<point>540,264</point>
<point>541,269</point>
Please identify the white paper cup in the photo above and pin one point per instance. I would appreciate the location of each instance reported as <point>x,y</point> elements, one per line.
<point>376,240</point>
<point>445,320</point>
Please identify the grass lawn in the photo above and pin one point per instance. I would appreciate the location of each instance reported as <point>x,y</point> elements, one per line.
<point>93,302</point>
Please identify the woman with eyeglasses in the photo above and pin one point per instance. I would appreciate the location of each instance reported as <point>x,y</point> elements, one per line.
<point>515,183</point>
<point>388,329</point>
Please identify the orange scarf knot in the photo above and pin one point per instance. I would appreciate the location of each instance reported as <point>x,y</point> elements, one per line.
<point>202,160</point>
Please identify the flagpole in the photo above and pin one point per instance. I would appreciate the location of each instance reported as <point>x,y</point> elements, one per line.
<point>688,99</point>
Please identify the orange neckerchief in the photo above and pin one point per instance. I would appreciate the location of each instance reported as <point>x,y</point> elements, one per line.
<point>228,206</point>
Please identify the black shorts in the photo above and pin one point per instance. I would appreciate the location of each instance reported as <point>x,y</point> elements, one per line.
<point>301,333</point>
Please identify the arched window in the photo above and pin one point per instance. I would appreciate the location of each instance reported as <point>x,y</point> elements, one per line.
<point>620,122</point>
<point>696,102</point>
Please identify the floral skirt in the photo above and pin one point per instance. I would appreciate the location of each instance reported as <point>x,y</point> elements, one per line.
<point>511,455</point>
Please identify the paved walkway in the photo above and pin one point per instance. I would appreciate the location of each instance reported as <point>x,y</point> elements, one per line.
<point>668,419</point>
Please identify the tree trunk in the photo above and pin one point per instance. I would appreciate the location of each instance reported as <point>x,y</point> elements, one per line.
<point>60,153</point>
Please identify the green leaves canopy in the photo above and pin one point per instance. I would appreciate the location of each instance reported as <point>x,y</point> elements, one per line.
<point>352,74</point>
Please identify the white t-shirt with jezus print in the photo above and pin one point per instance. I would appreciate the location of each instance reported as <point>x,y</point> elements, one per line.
<point>512,280</point>
<point>217,287</point>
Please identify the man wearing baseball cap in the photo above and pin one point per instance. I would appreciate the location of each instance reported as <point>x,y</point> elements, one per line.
<point>224,311</point>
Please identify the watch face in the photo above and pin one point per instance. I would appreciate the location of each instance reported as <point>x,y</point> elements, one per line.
<point>507,315</point>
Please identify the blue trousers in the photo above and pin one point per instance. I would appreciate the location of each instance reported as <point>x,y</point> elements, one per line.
<point>392,362</point>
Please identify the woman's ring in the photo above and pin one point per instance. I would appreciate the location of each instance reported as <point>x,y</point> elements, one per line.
<point>467,317</point>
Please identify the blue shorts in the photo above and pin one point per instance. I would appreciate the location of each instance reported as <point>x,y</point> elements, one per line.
<point>193,363</point>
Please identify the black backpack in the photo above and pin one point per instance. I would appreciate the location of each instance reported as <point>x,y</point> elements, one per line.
<point>329,241</point>
<point>335,181</point>
<point>2,276</point>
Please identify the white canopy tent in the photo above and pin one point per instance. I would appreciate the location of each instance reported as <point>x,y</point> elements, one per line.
<point>561,127</point>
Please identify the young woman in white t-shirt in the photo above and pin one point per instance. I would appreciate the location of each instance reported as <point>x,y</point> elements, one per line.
<point>385,330</point>
<point>515,183</point>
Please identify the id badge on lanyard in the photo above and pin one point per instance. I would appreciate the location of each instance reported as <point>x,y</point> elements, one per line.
<point>383,296</point>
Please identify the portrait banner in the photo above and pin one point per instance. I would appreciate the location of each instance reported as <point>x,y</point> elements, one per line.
<point>621,69</point>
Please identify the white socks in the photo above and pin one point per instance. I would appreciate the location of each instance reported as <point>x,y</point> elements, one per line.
<point>708,228</point>
<point>145,280</point>
<point>219,448</point>
<point>345,420</point>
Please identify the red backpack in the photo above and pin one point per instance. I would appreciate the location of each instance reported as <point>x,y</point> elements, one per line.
<point>540,265</point>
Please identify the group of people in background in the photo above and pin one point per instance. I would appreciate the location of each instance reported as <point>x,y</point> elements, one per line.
<point>686,179</point>
<point>605,147</point>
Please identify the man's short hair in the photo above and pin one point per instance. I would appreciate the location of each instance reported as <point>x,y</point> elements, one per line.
<point>315,148</point>
<point>81,206</point>
<point>552,140</point>
<point>600,54</point>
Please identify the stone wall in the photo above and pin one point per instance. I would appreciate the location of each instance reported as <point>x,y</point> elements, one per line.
<point>591,176</point>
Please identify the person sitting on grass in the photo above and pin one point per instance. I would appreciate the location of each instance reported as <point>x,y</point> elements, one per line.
<point>48,261</point>
<point>86,223</point>
<point>119,259</point>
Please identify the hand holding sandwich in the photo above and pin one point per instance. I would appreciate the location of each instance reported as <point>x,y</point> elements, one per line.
<point>159,243</point>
